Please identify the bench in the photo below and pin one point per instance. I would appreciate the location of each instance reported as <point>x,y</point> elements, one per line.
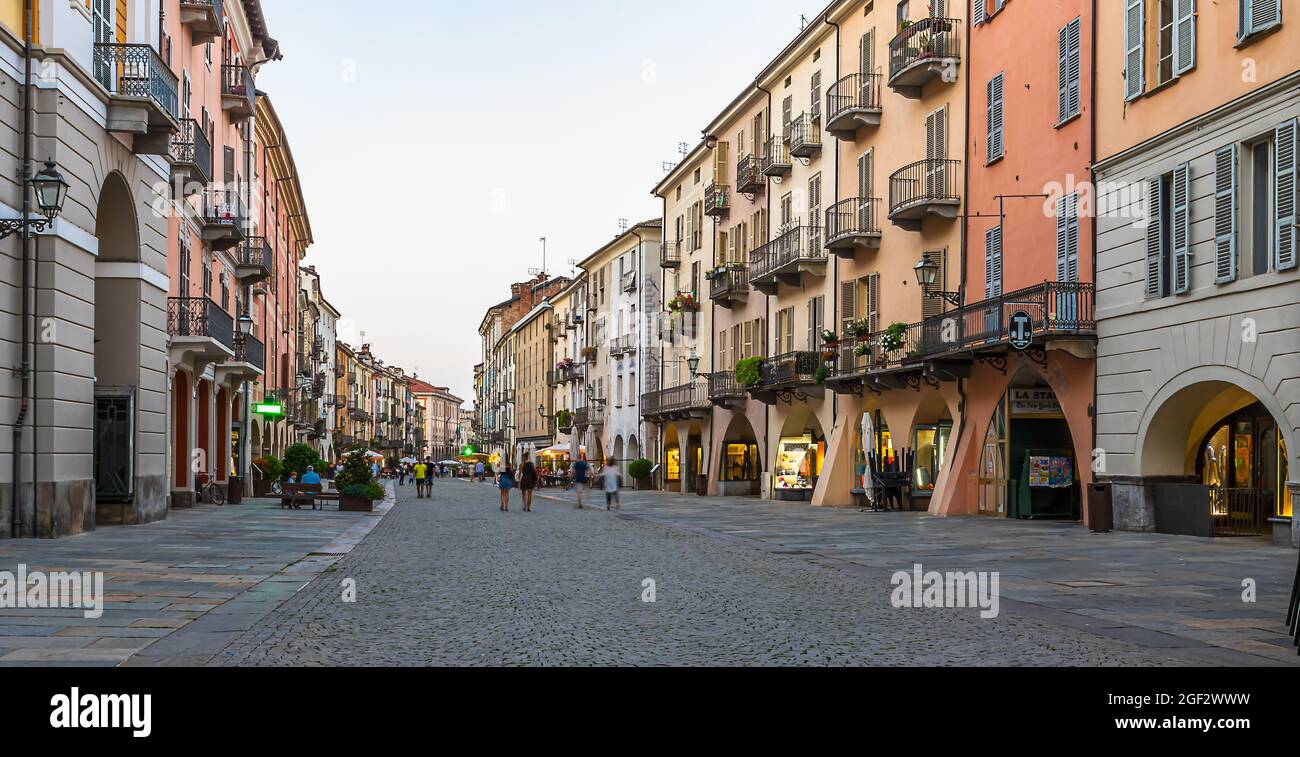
<point>293,495</point>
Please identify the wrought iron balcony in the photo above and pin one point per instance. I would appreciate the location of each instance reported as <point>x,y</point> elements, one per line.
<point>238,95</point>
<point>789,377</point>
<point>717,200</point>
<point>805,137</point>
<point>223,218</point>
<point>853,103</point>
<point>677,402</point>
<point>143,92</point>
<point>205,18</point>
<point>358,412</point>
<point>776,158</point>
<point>788,259</point>
<point>1060,311</point>
<point>250,350</point>
<point>925,50</point>
<point>926,187</point>
<point>254,259</point>
<point>749,176</point>
<point>191,152</point>
<point>724,391</point>
<point>563,374</point>
<point>199,319</point>
<point>670,255</point>
<point>729,285</point>
<point>853,224</point>
<point>623,345</point>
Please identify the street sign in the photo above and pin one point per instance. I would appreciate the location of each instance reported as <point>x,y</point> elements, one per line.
<point>269,409</point>
<point>1020,328</point>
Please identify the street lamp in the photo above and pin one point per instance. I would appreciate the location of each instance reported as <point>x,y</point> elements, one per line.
<point>927,275</point>
<point>246,324</point>
<point>541,411</point>
<point>592,399</point>
<point>51,190</point>
<point>693,363</point>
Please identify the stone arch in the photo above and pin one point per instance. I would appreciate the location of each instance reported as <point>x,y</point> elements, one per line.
<point>732,477</point>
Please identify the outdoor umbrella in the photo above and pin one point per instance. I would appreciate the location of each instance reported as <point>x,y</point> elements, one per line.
<point>409,460</point>
<point>374,454</point>
<point>868,444</point>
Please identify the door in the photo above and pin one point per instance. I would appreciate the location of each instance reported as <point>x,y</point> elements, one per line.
<point>993,465</point>
<point>936,151</point>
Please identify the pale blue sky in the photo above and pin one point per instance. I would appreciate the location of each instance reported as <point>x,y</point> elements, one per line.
<point>437,141</point>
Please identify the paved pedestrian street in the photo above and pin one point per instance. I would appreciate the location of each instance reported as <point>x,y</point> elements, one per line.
<point>454,581</point>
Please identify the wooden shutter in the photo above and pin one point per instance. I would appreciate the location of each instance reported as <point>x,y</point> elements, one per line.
<point>1184,36</point>
<point>872,310</point>
<point>979,12</point>
<point>867,53</point>
<point>721,163</point>
<point>1181,229</point>
<point>864,175</point>
<point>1155,272</point>
<point>994,119</point>
<point>815,95</point>
<point>932,306</point>
<point>848,304</point>
<point>993,263</point>
<point>936,134</point>
<point>1257,15</point>
<point>1284,251</point>
<point>1225,214</point>
<point>1134,49</point>
<point>1067,239</point>
<point>1068,73</point>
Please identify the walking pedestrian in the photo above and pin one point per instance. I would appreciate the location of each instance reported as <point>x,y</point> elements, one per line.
<point>421,470</point>
<point>580,473</point>
<point>428,478</point>
<point>478,471</point>
<point>527,482</point>
<point>611,481</point>
<point>505,482</point>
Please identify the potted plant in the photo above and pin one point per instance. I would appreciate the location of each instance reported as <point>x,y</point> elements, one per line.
<point>564,364</point>
<point>830,338</point>
<point>861,350</point>
<point>564,421</point>
<point>360,498</point>
<point>684,302</point>
<point>589,354</point>
<point>748,373</point>
<point>639,470</point>
<point>821,374</point>
<point>892,339</point>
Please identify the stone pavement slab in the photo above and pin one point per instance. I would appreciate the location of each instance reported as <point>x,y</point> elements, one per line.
<point>211,571</point>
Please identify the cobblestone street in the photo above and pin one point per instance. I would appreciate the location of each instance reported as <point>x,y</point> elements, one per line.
<point>455,581</point>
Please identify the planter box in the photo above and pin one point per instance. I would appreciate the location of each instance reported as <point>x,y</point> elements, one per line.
<point>261,488</point>
<point>355,505</point>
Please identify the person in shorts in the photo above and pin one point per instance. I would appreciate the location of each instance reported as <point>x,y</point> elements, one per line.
<point>611,481</point>
<point>581,472</point>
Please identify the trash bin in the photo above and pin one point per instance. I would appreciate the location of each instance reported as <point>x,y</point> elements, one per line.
<point>235,490</point>
<point>1101,511</point>
<point>702,485</point>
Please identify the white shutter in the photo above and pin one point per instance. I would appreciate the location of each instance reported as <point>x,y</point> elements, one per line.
<point>1225,214</point>
<point>1184,36</point>
<point>1134,49</point>
<point>995,90</point>
<point>1181,228</point>
<point>1257,15</point>
<point>1285,201</point>
<point>1155,241</point>
<point>979,12</point>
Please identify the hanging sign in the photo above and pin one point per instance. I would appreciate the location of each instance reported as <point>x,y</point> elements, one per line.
<point>1020,329</point>
<point>1034,401</point>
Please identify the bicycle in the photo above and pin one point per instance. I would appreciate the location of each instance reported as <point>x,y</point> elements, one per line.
<point>209,491</point>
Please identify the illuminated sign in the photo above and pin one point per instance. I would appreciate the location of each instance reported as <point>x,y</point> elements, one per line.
<point>269,409</point>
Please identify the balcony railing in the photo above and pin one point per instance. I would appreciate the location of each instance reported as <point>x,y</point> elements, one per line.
<point>805,137</point>
<point>670,255</point>
<point>786,258</point>
<point>717,199</point>
<point>853,102</point>
<point>924,187</point>
<point>134,70</point>
<point>749,175</point>
<point>730,284</point>
<point>206,18</point>
<point>249,349</point>
<point>565,374</point>
<point>853,223</point>
<point>224,207</point>
<point>254,259</point>
<point>200,317</point>
<point>623,345</point>
<point>922,51</point>
<point>790,368</point>
<point>677,402</point>
<point>776,157</point>
<point>1058,309</point>
<point>237,91</point>
<point>190,148</point>
<point>723,387</point>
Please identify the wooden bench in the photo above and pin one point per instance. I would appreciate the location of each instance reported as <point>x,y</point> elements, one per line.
<point>293,495</point>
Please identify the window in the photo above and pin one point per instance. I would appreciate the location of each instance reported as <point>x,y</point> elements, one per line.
<point>815,95</point>
<point>993,263</point>
<point>1068,76</point>
<point>1168,229</point>
<point>1067,239</point>
<point>815,211</point>
<point>1174,24</point>
<point>994,119</point>
<point>902,13</point>
<point>1255,16</point>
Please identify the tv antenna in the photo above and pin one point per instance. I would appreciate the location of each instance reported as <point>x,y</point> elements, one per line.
<point>622,225</point>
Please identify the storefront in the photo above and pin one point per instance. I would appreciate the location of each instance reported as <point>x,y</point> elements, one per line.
<point>1028,468</point>
<point>741,466</point>
<point>797,465</point>
<point>1243,461</point>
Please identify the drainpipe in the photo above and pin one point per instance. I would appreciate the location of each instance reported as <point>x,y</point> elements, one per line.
<point>1092,161</point>
<point>767,301</point>
<point>25,242</point>
<point>835,197</point>
<point>636,270</point>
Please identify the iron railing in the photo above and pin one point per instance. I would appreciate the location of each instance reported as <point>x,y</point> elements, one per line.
<point>805,136</point>
<point>249,349</point>
<point>224,207</point>
<point>670,255</point>
<point>237,81</point>
<point>749,175</point>
<point>717,199</point>
<point>135,70</point>
<point>623,345</point>
<point>190,145</point>
<point>852,217</point>
<point>732,279</point>
<point>1241,512</point>
<point>791,368</point>
<point>255,252</point>
<point>722,385</point>
<point>925,40</point>
<point>929,180</point>
<point>200,317</point>
<point>676,399</point>
<point>1057,309</point>
<point>853,92</point>
<point>776,157</point>
<point>799,243</point>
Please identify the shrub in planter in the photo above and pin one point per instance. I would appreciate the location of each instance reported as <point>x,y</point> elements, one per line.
<point>355,470</point>
<point>360,497</point>
<point>748,373</point>
<point>639,469</point>
<point>821,374</point>
<point>271,467</point>
<point>299,457</point>
<point>892,339</point>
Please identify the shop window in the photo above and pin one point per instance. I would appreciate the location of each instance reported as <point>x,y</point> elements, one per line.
<point>931,445</point>
<point>673,464</point>
<point>741,462</point>
<point>798,463</point>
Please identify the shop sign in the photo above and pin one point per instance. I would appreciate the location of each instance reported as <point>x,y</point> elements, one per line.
<point>1034,401</point>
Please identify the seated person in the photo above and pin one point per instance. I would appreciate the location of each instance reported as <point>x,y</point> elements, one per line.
<point>311,476</point>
